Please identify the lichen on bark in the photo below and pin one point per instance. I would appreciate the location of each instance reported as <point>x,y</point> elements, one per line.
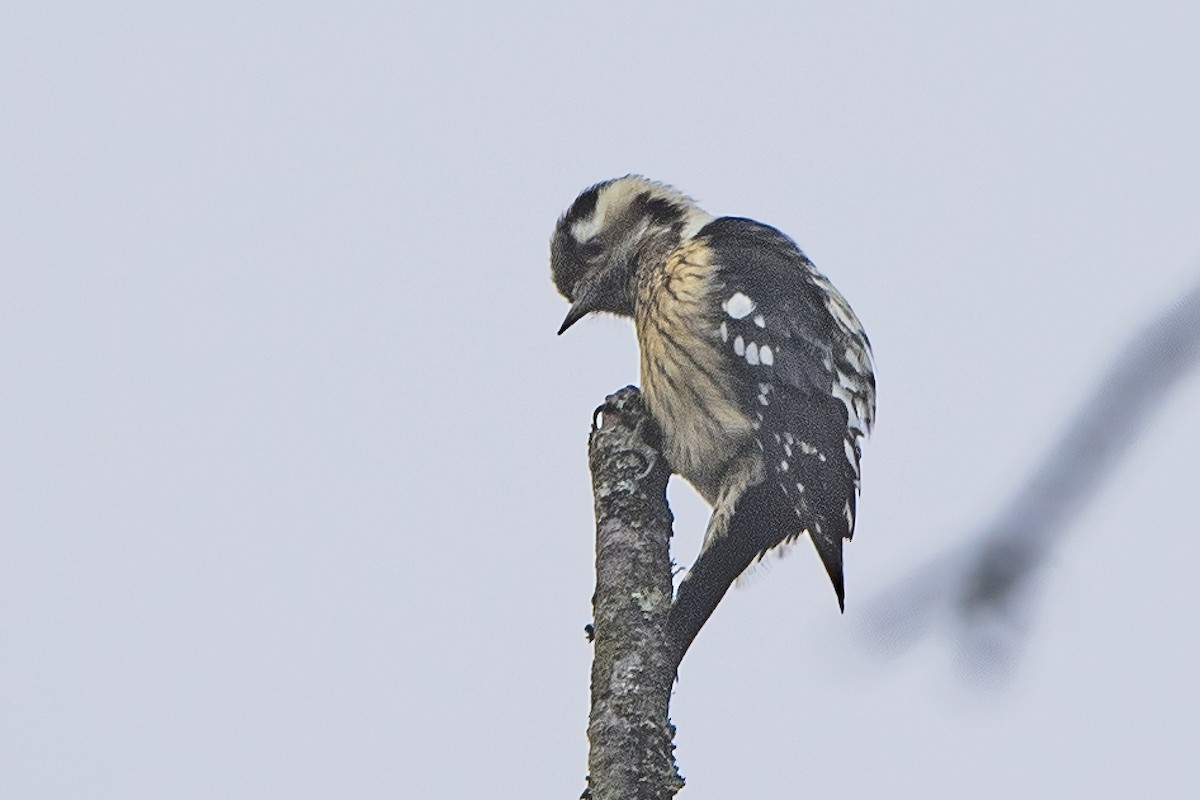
<point>631,754</point>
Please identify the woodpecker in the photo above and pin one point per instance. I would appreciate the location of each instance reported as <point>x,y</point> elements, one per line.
<point>754,366</point>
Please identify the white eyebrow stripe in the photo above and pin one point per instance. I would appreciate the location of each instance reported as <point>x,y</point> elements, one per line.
<point>588,227</point>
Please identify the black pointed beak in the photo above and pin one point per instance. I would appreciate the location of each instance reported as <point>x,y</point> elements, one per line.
<point>578,311</point>
<point>587,294</point>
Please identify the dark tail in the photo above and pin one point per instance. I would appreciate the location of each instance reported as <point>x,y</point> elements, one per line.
<point>759,523</point>
<point>706,583</point>
<point>830,550</point>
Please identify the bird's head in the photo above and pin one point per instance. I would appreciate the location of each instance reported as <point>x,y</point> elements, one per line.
<point>611,230</point>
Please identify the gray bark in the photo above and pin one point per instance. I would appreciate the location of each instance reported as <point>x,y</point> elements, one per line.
<point>632,752</point>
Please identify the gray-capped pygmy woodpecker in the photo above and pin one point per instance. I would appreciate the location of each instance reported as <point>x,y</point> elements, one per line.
<point>754,366</point>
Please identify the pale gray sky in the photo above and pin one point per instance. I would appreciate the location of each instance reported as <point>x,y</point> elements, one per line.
<point>293,487</point>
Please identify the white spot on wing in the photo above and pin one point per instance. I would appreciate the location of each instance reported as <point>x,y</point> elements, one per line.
<point>765,355</point>
<point>752,354</point>
<point>759,321</point>
<point>724,331</point>
<point>847,397</point>
<point>739,346</point>
<point>858,359</point>
<point>864,412</point>
<point>837,306</point>
<point>851,382</point>
<point>738,306</point>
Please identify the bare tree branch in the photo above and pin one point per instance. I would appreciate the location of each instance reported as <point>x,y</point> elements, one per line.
<point>985,585</point>
<point>631,736</point>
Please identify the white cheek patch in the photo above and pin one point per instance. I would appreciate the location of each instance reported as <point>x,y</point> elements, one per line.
<point>738,306</point>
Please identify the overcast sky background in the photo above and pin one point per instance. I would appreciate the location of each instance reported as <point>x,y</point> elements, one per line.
<point>294,497</point>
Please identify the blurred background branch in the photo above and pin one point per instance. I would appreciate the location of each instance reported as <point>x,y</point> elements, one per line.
<point>985,588</point>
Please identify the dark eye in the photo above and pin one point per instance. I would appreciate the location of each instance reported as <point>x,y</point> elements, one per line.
<point>591,249</point>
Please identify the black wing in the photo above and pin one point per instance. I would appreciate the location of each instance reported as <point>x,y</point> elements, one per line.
<point>804,366</point>
<point>803,372</point>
